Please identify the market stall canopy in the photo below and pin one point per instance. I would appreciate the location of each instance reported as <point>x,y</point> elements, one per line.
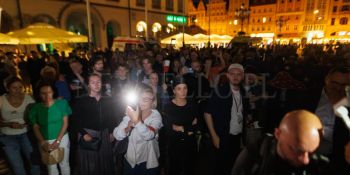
<point>6,39</point>
<point>214,38</point>
<point>41,33</point>
<point>199,38</point>
<point>246,39</point>
<point>178,38</point>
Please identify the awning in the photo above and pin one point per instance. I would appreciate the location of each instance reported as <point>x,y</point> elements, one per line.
<point>6,39</point>
<point>41,33</point>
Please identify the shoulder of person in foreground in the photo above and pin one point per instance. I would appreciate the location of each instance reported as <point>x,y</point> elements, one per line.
<point>249,160</point>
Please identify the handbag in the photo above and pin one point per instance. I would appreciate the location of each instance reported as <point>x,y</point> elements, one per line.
<point>121,146</point>
<point>52,157</point>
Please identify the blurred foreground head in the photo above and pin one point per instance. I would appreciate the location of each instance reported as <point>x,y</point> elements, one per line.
<point>298,136</point>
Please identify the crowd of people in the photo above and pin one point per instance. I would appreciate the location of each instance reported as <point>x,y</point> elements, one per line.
<point>241,110</point>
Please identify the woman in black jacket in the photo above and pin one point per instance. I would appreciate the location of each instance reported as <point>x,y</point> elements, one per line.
<point>180,122</point>
<point>94,120</point>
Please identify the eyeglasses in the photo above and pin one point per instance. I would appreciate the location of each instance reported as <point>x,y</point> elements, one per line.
<point>146,99</point>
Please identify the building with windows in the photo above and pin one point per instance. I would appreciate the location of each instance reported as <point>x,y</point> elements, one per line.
<point>338,25</point>
<point>262,19</point>
<point>110,18</point>
<point>282,20</point>
<point>218,16</point>
<point>289,19</point>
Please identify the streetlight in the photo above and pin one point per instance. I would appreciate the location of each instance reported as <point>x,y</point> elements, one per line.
<point>235,22</point>
<point>0,17</point>
<point>242,13</point>
<point>316,18</point>
<point>88,14</point>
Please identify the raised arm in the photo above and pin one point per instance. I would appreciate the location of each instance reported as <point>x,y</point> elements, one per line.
<point>123,129</point>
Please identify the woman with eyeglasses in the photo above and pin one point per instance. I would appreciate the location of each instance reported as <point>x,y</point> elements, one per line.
<point>141,126</point>
<point>181,126</point>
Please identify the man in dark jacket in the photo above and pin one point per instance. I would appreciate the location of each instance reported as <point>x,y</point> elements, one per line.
<point>290,152</point>
<point>224,117</point>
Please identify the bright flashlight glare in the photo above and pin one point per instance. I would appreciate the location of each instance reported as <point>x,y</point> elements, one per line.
<point>131,98</point>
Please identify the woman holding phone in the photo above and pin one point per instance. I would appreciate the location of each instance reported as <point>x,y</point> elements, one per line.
<point>141,126</point>
<point>13,107</point>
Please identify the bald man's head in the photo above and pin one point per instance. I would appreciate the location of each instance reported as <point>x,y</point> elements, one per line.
<point>298,135</point>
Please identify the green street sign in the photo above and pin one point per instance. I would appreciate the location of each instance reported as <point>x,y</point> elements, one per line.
<point>176,19</point>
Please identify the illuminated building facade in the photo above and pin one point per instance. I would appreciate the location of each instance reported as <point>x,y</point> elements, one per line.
<point>287,20</point>
<point>338,20</point>
<point>263,19</point>
<point>110,18</point>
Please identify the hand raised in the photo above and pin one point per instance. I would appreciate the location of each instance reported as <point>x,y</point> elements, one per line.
<point>133,115</point>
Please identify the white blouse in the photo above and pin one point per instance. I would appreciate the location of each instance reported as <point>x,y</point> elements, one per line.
<point>13,114</point>
<point>143,143</point>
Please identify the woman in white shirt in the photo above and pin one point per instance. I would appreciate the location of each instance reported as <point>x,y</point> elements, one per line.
<point>141,126</point>
<point>14,140</point>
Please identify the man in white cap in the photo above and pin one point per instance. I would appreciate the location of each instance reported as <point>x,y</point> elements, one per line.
<point>224,118</point>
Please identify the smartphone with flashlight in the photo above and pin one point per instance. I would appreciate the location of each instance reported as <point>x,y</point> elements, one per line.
<point>131,98</point>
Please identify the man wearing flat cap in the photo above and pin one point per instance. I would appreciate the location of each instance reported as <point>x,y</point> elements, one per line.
<point>224,116</point>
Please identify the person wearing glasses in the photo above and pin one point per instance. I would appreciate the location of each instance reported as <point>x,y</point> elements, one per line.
<point>141,126</point>
<point>336,135</point>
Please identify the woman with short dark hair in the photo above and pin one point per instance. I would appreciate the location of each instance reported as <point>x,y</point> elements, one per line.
<point>181,126</point>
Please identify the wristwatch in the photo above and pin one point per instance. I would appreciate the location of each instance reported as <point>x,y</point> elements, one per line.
<point>58,141</point>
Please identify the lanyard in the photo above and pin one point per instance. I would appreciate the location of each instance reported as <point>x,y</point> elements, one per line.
<point>238,105</point>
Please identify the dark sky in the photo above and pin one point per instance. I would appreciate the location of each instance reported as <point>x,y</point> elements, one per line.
<point>196,2</point>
